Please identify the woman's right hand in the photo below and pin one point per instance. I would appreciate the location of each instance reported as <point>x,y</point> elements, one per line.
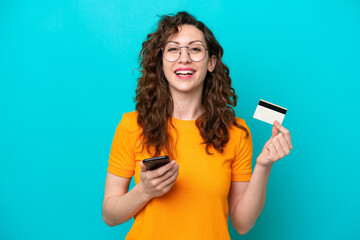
<point>157,182</point>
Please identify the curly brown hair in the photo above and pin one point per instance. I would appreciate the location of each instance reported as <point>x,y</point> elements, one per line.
<point>154,102</point>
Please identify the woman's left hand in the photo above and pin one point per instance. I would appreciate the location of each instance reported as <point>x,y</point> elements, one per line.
<point>277,147</point>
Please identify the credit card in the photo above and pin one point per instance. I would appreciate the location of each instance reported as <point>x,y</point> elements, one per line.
<point>269,112</point>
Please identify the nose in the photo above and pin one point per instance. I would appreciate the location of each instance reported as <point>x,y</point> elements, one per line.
<point>184,55</point>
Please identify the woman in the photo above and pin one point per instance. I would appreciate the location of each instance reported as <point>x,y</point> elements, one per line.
<point>183,109</point>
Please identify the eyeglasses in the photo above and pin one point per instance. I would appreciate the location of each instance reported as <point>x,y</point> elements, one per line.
<point>172,52</point>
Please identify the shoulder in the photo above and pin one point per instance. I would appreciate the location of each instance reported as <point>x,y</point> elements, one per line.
<point>242,123</point>
<point>129,121</point>
<point>130,116</point>
<point>240,139</point>
<point>241,131</point>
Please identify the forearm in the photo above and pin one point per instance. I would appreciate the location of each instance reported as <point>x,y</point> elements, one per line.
<point>119,209</point>
<point>251,204</point>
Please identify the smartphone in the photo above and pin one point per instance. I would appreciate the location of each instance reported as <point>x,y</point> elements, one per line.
<point>156,162</point>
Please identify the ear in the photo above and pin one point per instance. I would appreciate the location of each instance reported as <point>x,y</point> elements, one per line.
<point>212,63</point>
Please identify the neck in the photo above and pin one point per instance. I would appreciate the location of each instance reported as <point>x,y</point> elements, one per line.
<point>186,106</point>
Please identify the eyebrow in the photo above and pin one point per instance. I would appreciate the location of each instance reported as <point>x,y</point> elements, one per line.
<point>189,42</point>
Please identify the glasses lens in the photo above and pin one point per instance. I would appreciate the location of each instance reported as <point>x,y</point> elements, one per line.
<point>171,52</point>
<point>197,52</point>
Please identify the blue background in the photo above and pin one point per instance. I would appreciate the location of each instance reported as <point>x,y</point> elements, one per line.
<point>68,73</point>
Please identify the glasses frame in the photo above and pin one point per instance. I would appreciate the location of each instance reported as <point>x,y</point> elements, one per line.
<point>188,51</point>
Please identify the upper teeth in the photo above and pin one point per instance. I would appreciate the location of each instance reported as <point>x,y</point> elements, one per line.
<point>184,72</point>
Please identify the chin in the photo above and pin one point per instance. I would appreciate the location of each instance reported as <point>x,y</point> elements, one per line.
<point>186,86</point>
<point>183,90</point>
<point>186,89</point>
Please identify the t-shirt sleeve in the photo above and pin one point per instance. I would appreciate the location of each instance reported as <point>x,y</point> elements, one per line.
<point>122,157</point>
<point>241,165</point>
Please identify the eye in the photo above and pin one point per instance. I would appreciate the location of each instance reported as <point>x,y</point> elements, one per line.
<point>196,49</point>
<point>172,49</point>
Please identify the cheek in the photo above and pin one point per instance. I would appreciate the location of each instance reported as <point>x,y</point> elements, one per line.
<point>204,71</point>
<point>167,70</point>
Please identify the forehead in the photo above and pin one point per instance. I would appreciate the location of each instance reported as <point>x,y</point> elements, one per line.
<point>187,34</point>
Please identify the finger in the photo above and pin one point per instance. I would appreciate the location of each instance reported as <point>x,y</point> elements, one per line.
<point>274,131</point>
<point>162,170</point>
<point>157,183</point>
<point>142,166</point>
<point>285,131</point>
<point>266,146</point>
<point>277,124</point>
<point>272,152</point>
<point>288,139</point>
<point>284,143</point>
<point>168,174</point>
<point>166,185</point>
<point>287,136</point>
<point>279,148</point>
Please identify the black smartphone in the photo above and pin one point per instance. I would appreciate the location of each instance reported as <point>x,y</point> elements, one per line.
<point>156,162</point>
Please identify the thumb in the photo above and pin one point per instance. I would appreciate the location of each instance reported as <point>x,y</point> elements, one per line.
<point>275,130</point>
<point>142,166</point>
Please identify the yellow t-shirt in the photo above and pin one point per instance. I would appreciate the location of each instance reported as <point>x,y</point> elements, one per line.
<point>196,206</point>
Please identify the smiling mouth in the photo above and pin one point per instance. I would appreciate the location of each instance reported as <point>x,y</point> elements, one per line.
<point>184,72</point>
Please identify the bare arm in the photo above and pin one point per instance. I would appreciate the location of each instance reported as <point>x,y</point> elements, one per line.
<point>247,199</point>
<point>119,205</point>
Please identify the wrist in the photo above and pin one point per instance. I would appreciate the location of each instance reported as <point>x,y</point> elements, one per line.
<point>141,192</point>
<point>263,166</point>
<point>262,170</point>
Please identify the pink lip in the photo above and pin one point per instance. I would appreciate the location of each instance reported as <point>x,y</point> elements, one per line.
<point>184,77</point>
<point>183,69</point>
